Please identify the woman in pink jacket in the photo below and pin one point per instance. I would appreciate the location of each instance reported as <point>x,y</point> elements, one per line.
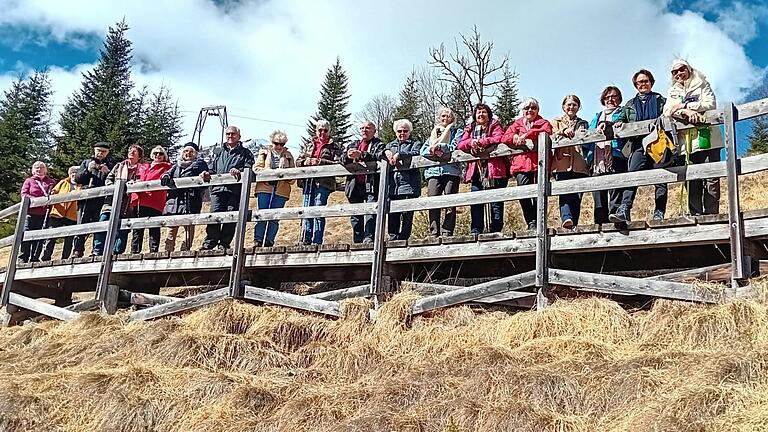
<point>523,134</point>
<point>152,203</point>
<point>35,186</point>
<point>480,137</point>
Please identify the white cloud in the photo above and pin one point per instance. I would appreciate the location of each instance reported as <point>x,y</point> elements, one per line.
<point>267,59</point>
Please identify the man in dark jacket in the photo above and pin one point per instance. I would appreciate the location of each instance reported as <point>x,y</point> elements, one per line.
<point>363,188</point>
<point>92,173</point>
<point>231,157</point>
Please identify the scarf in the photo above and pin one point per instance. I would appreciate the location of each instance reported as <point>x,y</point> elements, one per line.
<point>441,134</point>
<point>647,106</point>
<point>603,158</point>
<point>319,145</point>
<point>479,131</point>
<point>362,146</point>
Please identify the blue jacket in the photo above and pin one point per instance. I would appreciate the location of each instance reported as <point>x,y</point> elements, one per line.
<point>617,144</point>
<point>453,169</point>
<point>405,182</point>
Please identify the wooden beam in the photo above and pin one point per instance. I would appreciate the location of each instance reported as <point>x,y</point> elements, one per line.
<point>542,232</point>
<point>76,195</point>
<point>13,257</point>
<point>294,213</point>
<point>433,288</point>
<point>697,273</point>
<point>739,262</point>
<point>105,272</point>
<point>10,211</point>
<point>380,234</point>
<point>180,305</point>
<point>66,231</point>
<point>144,299</point>
<point>474,292</point>
<point>343,293</point>
<point>306,303</point>
<point>238,254</point>
<point>620,284</point>
<point>7,241</point>
<point>41,307</point>
<point>84,305</point>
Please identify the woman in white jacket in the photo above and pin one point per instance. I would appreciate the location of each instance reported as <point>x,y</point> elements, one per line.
<point>689,96</point>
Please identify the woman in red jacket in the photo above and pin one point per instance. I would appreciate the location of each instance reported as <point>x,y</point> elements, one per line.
<point>36,186</point>
<point>150,203</point>
<point>523,134</point>
<point>480,137</point>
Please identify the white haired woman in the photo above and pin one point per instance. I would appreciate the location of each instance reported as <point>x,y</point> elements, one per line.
<point>404,183</point>
<point>689,96</point>
<point>273,194</point>
<point>187,200</point>
<point>152,203</point>
<point>35,186</point>
<point>442,179</point>
<point>322,151</point>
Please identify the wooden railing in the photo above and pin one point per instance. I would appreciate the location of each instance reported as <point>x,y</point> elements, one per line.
<point>732,168</point>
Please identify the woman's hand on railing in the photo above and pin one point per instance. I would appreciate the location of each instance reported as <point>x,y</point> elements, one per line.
<point>206,176</point>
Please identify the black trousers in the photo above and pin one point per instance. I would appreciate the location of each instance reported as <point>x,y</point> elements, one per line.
<point>528,204</point>
<point>221,234</point>
<point>608,201</point>
<point>137,240</point>
<point>54,222</point>
<point>638,161</point>
<point>363,226</point>
<point>31,250</point>
<point>90,212</point>
<point>704,195</point>
<point>399,225</point>
<point>442,185</point>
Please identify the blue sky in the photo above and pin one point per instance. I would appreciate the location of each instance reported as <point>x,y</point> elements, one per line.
<point>266,59</point>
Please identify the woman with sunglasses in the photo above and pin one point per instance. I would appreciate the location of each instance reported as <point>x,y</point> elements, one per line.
<point>606,157</point>
<point>689,96</point>
<point>151,203</point>
<point>272,194</point>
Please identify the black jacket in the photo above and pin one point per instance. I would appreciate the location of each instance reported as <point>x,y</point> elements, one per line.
<point>375,147</point>
<point>187,200</point>
<point>404,182</point>
<point>225,159</point>
<point>91,179</point>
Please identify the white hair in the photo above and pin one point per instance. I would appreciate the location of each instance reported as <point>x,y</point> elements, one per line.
<point>442,110</point>
<point>323,123</point>
<point>72,169</point>
<point>527,102</point>
<point>278,136</point>
<point>402,122</point>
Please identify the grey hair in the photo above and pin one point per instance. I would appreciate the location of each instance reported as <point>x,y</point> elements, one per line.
<point>323,123</point>
<point>180,157</point>
<point>278,136</point>
<point>72,169</point>
<point>235,128</point>
<point>365,122</point>
<point>529,101</point>
<point>440,112</point>
<point>38,163</point>
<point>402,122</point>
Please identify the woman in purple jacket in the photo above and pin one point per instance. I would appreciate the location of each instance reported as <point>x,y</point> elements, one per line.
<point>36,185</point>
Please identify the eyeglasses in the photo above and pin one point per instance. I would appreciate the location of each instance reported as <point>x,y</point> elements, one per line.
<point>681,69</point>
<point>613,96</point>
<point>402,131</point>
<point>157,153</point>
<point>278,143</point>
<point>231,133</point>
<point>323,130</point>
<point>530,108</point>
<point>644,81</point>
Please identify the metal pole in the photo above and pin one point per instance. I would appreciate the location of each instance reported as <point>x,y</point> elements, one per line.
<point>238,250</point>
<point>542,238</point>
<point>739,263</point>
<point>380,236</point>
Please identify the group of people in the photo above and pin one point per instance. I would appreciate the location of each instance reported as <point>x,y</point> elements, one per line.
<point>688,97</point>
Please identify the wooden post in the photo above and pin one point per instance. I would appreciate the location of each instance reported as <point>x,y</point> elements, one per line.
<point>10,272</point>
<point>739,262</point>
<point>238,249</point>
<point>542,238</point>
<point>380,239</point>
<point>108,256</point>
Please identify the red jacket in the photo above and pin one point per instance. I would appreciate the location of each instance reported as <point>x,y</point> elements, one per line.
<point>526,162</point>
<point>497,167</point>
<point>152,199</point>
<point>35,187</point>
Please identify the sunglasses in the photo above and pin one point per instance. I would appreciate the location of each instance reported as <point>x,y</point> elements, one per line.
<point>277,143</point>
<point>323,130</point>
<point>645,81</point>
<point>681,69</point>
<point>530,109</point>
<point>403,131</point>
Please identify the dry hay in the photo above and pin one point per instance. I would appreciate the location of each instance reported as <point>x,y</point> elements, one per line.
<point>580,365</point>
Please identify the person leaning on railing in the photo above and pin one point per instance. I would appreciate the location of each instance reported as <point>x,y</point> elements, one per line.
<point>363,188</point>
<point>322,151</point>
<point>272,194</point>
<point>646,105</point>
<point>479,138</point>
<point>185,200</point>
<point>35,186</point>
<point>61,215</point>
<point>443,179</point>
<point>404,183</point>
<point>568,162</point>
<point>92,173</point>
<point>231,157</point>
<point>150,203</point>
<point>523,134</point>
<point>606,157</point>
<point>689,96</point>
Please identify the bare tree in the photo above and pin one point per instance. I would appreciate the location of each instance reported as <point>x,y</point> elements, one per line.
<point>380,110</point>
<point>470,67</point>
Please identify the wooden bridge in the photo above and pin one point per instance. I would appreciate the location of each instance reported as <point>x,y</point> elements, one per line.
<point>641,259</point>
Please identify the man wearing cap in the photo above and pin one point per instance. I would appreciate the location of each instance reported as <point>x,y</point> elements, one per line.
<point>229,158</point>
<point>92,173</point>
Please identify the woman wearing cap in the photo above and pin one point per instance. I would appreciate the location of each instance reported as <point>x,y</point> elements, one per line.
<point>186,200</point>
<point>689,96</point>
<point>568,162</point>
<point>442,179</point>
<point>150,203</point>
<point>523,134</point>
<point>480,136</point>
<point>272,194</point>
<point>606,157</point>
<point>61,215</point>
<point>35,186</point>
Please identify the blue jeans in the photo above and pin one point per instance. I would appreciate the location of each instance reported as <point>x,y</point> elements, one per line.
<point>478,211</point>
<point>313,228</point>
<point>267,201</point>
<point>100,237</point>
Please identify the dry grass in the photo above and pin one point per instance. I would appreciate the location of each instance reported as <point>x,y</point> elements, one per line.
<point>581,365</point>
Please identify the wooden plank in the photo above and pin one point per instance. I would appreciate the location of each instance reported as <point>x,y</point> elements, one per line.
<point>739,262</point>
<point>84,305</point>
<point>9,211</point>
<point>7,241</point>
<point>238,258</point>
<point>180,220</point>
<point>697,273</point>
<point>109,304</point>
<point>433,288</point>
<point>13,257</point>
<point>66,231</point>
<point>144,299</point>
<point>474,292</point>
<point>306,303</point>
<point>343,293</point>
<point>183,183</point>
<point>180,305</point>
<point>620,284</point>
<point>77,195</point>
<point>41,307</point>
<point>108,258</point>
<point>294,213</point>
<point>379,258</point>
<point>542,233</point>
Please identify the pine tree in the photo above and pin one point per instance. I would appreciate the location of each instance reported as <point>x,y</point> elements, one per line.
<point>159,121</point>
<point>408,108</point>
<point>103,109</point>
<point>758,138</point>
<point>506,107</point>
<point>25,132</point>
<point>332,106</point>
